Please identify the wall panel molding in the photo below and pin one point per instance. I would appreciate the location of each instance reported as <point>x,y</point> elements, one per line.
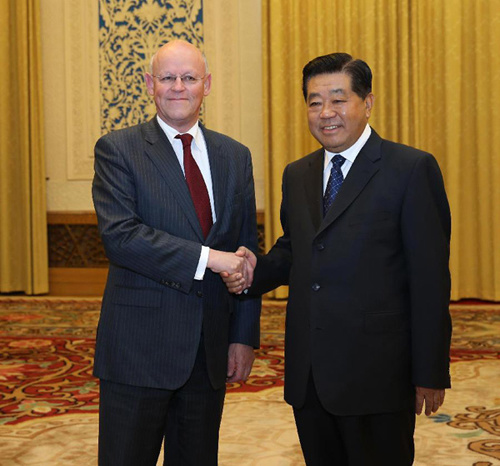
<point>81,39</point>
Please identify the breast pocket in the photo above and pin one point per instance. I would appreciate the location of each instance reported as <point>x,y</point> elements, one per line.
<point>369,218</point>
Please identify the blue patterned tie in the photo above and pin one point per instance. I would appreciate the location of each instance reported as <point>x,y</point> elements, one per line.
<point>334,182</point>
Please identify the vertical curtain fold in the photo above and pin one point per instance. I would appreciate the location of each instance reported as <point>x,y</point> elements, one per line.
<point>23,227</point>
<point>436,67</point>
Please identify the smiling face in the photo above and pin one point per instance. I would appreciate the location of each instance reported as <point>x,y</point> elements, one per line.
<point>337,115</point>
<point>179,104</point>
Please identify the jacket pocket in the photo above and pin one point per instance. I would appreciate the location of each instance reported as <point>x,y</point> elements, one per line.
<point>137,297</point>
<point>386,322</point>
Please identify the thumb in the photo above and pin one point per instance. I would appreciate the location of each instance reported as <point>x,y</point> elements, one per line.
<point>241,252</point>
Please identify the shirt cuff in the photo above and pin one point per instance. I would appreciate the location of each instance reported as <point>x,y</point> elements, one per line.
<point>202,263</point>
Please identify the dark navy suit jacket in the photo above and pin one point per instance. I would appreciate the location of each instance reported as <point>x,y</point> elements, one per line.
<point>153,311</point>
<point>369,282</point>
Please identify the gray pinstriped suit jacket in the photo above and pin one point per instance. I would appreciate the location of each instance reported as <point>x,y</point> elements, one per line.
<point>153,311</point>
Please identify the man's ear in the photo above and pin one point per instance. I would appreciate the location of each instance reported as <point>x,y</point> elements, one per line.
<point>149,83</point>
<point>207,85</point>
<point>369,101</point>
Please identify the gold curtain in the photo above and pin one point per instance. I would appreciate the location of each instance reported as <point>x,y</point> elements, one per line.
<point>436,69</point>
<point>23,228</point>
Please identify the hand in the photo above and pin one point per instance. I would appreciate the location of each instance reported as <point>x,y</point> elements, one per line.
<point>229,262</point>
<point>236,283</point>
<point>239,362</point>
<point>433,398</point>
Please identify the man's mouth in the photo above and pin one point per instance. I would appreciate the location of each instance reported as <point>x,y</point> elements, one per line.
<point>331,127</point>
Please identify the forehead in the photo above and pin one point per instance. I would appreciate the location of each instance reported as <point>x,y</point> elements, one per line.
<point>331,83</point>
<point>179,58</point>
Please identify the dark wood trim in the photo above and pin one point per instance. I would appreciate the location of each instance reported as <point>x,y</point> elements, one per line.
<point>72,218</point>
<point>77,281</point>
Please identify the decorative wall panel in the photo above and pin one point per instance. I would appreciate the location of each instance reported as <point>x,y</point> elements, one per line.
<point>74,240</point>
<point>130,31</point>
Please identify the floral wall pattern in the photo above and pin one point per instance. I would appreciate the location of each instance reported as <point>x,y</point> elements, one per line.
<point>130,31</point>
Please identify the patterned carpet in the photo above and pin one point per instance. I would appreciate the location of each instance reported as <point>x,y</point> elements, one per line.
<point>49,400</point>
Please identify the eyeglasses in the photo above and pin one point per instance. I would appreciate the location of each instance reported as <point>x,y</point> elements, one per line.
<point>186,79</point>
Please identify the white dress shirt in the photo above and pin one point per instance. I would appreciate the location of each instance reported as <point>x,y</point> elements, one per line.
<point>200,155</point>
<point>349,154</point>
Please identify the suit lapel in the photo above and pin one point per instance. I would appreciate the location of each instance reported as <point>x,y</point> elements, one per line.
<point>362,170</point>
<point>313,184</point>
<point>219,169</point>
<point>163,156</point>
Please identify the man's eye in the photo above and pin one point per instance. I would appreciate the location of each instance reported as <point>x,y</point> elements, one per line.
<point>168,79</point>
<point>313,104</point>
<point>188,79</point>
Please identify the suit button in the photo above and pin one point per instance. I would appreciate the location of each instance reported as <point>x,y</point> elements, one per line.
<point>316,287</point>
<point>199,294</point>
<point>320,246</point>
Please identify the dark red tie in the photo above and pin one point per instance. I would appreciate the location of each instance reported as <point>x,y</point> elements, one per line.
<point>196,185</point>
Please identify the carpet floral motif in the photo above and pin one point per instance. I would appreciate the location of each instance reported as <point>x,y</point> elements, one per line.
<point>480,419</point>
<point>46,357</point>
<point>47,347</point>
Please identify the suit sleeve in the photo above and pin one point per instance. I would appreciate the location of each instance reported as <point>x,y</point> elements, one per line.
<point>245,321</point>
<point>273,269</point>
<point>426,229</point>
<point>127,240</point>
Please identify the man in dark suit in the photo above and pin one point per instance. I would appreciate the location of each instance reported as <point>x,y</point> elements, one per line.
<point>365,250</point>
<point>172,200</point>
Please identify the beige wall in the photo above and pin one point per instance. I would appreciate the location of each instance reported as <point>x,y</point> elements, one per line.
<point>71,100</point>
<point>70,56</point>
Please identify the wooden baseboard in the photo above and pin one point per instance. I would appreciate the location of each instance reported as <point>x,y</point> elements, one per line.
<point>77,281</point>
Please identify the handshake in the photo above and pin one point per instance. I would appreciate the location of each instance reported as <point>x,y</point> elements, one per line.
<point>235,268</point>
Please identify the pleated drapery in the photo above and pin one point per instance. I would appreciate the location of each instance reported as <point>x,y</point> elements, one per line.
<point>436,70</point>
<point>23,225</point>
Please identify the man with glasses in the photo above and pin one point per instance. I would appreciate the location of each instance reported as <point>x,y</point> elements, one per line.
<point>173,200</point>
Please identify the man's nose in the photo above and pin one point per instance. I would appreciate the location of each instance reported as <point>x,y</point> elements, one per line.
<point>178,84</point>
<point>327,112</point>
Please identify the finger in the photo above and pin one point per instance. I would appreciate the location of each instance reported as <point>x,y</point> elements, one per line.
<point>236,290</point>
<point>438,400</point>
<point>231,369</point>
<point>234,278</point>
<point>419,403</point>
<point>248,371</point>
<point>429,406</point>
<point>234,283</point>
<point>236,376</point>
<point>250,270</point>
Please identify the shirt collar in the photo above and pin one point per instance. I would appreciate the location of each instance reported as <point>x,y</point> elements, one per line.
<point>170,132</point>
<point>352,152</point>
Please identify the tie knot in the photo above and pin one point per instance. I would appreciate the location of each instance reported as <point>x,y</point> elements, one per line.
<point>185,138</point>
<point>337,161</point>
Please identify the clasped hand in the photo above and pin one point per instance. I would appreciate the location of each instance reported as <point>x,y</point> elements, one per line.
<point>236,269</point>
